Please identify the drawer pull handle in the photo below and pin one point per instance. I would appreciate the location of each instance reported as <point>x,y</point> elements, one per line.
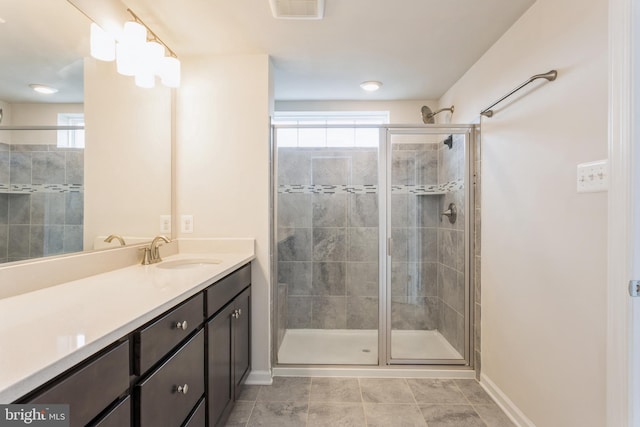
<point>182,389</point>
<point>182,325</point>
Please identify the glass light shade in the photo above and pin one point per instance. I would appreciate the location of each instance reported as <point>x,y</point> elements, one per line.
<point>170,71</point>
<point>126,59</point>
<point>153,56</point>
<point>145,80</point>
<point>103,45</point>
<point>130,48</point>
<point>149,64</point>
<point>134,33</point>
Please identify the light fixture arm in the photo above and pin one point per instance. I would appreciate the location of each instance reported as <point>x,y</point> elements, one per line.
<point>154,36</point>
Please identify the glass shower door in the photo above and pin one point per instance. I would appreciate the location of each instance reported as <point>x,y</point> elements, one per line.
<point>427,290</point>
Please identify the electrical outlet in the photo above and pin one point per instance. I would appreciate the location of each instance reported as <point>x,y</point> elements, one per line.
<point>165,223</point>
<point>593,177</point>
<point>186,223</point>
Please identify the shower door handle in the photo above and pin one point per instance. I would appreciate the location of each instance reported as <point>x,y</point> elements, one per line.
<point>634,288</point>
<point>389,246</point>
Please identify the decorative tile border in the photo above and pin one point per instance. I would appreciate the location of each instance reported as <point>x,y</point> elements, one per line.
<point>40,188</point>
<point>418,190</point>
<point>371,189</point>
<point>328,189</point>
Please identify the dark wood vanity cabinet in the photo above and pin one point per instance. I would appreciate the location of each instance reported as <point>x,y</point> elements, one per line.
<point>184,368</point>
<point>90,388</point>
<point>229,344</point>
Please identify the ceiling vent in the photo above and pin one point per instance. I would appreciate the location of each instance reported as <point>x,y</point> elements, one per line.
<point>297,9</point>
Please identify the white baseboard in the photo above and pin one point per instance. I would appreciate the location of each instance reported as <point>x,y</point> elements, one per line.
<point>259,378</point>
<point>509,408</point>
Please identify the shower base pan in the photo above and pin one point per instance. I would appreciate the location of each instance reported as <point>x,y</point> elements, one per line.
<point>360,347</point>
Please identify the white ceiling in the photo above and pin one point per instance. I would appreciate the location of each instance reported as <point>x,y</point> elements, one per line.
<point>417,48</point>
<point>41,42</point>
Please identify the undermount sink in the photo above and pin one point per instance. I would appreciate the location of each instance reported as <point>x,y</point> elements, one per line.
<point>187,263</point>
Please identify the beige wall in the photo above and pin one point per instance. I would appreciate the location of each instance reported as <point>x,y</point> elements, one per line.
<point>543,245</point>
<point>223,166</point>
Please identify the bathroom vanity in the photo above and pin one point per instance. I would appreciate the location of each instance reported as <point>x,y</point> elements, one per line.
<point>183,348</point>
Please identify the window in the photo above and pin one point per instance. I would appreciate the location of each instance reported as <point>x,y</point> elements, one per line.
<point>71,138</point>
<point>326,136</point>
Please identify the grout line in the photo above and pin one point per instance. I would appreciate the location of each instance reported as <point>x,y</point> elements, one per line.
<point>470,404</point>
<point>309,401</point>
<point>253,405</point>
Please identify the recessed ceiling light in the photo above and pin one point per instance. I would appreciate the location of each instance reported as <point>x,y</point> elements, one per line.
<point>48,90</point>
<point>370,86</point>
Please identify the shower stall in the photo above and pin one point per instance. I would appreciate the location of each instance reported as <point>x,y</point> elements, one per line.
<point>372,228</point>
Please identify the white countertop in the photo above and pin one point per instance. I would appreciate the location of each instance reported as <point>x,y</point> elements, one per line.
<point>45,332</point>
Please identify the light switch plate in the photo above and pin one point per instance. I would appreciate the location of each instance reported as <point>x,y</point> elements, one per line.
<point>186,223</point>
<point>593,177</point>
<point>165,223</point>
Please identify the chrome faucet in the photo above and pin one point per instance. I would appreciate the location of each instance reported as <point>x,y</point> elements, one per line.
<point>115,236</point>
<point>152,252</point>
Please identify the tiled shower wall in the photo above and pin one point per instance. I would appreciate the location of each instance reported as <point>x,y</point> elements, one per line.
<point>328,238</point>
<point>41,201</point>
<point>451,246</point>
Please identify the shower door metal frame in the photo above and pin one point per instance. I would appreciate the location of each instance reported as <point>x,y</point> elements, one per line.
<point>384,355</point>
<point>384,185</point>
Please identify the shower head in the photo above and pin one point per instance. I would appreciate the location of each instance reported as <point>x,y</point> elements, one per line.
<point>428,115</point>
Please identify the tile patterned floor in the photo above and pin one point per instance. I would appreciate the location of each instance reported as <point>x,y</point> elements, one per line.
<point>384,402</point>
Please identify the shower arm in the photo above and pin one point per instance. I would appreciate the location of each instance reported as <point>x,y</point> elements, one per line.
<point>450,109</point>
<point>549,76</point>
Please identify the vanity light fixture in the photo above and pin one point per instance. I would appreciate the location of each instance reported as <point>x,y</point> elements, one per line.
<point>47,90</point>
<point>371,85</point>
<point>138,52</point>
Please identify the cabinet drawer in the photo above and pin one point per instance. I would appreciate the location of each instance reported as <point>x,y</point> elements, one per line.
<point>120,416</point>
<point>225,289</point>
<point>89,390</point>
<point>198,417</point>
<point>154,341</point>
<point>161,397</point>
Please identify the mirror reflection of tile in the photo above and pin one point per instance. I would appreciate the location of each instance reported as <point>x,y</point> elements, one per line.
<point>41,201</point>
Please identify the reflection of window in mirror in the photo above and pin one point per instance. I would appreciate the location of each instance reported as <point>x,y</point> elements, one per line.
<point>71,138</point>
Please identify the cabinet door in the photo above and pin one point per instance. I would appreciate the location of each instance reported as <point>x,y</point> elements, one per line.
<point>219,364</point>
<point>241,339</point>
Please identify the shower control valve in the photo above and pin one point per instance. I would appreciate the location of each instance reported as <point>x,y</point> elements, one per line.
<point>451,213</point>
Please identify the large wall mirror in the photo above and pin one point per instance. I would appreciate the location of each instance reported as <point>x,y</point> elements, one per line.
<point>63,189</point>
